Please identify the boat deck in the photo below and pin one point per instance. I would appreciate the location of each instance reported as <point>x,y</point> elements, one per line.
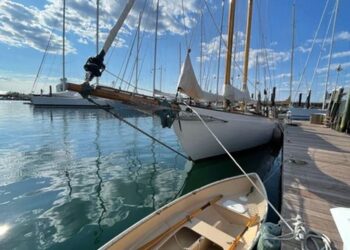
<point>316,177</point>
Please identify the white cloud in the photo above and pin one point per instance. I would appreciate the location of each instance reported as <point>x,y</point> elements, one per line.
<point>303,49</point>
<point>20,26</point>
<point>282,76</point>
<point>271,56</point>
<point>341,36</point>
<point>339,54</point>
<point>29,26</point>
<point>274,43</point>
<point>333,67</point>
<point>344,35</point>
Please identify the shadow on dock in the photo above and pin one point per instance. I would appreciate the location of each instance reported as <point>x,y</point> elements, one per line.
<point>316,176</point>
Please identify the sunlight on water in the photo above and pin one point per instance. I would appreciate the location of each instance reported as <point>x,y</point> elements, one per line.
<point>4,229</point>
<point>74,179</point>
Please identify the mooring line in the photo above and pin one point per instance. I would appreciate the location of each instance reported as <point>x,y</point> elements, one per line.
<point>242,170</point>
<point>137,128</point>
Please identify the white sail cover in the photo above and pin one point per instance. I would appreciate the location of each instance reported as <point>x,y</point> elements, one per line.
<point>188,84</point>
<point>233,94</point>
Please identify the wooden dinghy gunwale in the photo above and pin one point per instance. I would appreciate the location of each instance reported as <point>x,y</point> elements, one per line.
<point>152,226</point>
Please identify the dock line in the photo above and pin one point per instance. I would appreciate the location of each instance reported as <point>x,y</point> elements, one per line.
<point>137,128</point>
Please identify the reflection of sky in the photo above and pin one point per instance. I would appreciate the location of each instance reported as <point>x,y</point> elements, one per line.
<point>68,175</point>
<point>73,179</point>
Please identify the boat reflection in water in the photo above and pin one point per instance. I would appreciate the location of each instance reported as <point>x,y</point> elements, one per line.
<point>77,178</point>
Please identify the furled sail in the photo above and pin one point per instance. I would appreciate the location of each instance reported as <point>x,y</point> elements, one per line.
<point>233,94</point>
<point>188,83</point>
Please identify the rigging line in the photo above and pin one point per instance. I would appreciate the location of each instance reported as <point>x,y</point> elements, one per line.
<point>42,62</point>
<point>128,59</point>
<point>330,52</point>
<point>240,168</point>
<point>215,24</point>
<point>201,52</point>
<point>184,23</point>
<point>132,48</point>
<point>137,128</point>
<point>323,43</point>
<point>223,40</point>
<point>155,47</point>
<point>263,44</point>
<point>219,52</point>
<point>138,46</point>
<point>312,46</point>
<point>114,75</point>
<point>135,67</point>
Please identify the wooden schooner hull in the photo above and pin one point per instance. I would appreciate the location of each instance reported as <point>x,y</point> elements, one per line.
<point>236,131</point>
<point>223,215</point>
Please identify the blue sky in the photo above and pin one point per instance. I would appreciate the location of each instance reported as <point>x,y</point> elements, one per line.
<point>25,27</point>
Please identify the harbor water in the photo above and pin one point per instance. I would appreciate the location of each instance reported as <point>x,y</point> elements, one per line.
<point>75,178</point>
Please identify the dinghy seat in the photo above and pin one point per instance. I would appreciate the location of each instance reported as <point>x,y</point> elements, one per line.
<point>210,232</point>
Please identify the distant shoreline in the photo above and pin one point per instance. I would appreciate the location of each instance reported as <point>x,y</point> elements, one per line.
<point>11,98</point>
<point>14,96</point>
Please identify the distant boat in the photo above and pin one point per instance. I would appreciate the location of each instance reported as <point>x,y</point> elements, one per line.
<point>226,214</point>
<point>63,97</point>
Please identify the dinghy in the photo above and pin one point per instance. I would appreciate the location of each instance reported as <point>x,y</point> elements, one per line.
<point>226,214</point>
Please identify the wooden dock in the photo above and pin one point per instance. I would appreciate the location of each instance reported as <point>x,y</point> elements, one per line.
<point>316,177</point>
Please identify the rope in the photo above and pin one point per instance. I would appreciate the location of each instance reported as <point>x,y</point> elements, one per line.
<point>135,127</point>
<point>305,236</point>
<point>299,232</point>
<point>240,168</point>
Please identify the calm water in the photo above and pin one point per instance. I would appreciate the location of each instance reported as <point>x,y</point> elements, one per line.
<point>76,178</point>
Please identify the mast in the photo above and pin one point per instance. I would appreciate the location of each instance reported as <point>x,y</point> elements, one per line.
<point>97,30</point>
<point>247,44</point>
<point>180,63</point>
<point>64,44</point>
<point>219,54</point>
<point>155,48</point>
<point>137,53</point>
<point>330,54</point>
<point>292,55</point>
<point>201,52</point>
<point>230,40</point>
<point>256,75</point>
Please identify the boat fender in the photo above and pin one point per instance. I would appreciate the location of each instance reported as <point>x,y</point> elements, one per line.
<point>166,116</point>
<point>268,240</point>
<point>271,228</point>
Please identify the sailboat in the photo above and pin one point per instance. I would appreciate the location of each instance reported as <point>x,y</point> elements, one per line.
<point>63,97</point>
<point>237,129</point>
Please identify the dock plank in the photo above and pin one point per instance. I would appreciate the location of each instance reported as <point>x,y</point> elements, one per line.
<point>315,178</point>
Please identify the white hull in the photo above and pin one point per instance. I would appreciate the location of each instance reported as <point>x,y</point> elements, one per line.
<point>236,131</point>
<point>65,99</point>
<point>303,113</point>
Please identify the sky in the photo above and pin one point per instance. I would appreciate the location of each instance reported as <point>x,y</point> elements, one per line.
<point>28,27</point>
